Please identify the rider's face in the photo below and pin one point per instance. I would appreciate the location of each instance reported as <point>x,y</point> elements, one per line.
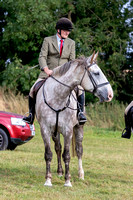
<point>64,33</point>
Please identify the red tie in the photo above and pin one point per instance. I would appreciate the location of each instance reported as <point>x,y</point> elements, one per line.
<point>61,46</point>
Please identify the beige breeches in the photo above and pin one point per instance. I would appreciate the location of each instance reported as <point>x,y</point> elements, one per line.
<point>80,90</point>
<point>128,107</point>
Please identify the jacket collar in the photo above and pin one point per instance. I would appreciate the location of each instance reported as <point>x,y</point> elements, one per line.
<point>56,44</point>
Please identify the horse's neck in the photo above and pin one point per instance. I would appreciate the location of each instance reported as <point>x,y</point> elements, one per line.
<point>62,91</point>
<point>59,89</point>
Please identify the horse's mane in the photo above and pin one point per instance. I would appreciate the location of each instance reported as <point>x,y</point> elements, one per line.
<point>61,70</point>
<point>64,68</point>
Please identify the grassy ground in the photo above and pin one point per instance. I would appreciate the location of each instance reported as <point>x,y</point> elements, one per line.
<point>107,162</point>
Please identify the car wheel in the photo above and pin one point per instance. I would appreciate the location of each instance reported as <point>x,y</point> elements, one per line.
<point>3,140</point>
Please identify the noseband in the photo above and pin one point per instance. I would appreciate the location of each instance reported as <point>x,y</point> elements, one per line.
<point>95,85</point>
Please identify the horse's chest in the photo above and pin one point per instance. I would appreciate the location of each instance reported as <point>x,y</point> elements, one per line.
<point>63,119</point>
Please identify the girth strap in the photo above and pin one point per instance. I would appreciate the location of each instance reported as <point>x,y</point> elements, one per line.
<point>57,111</point>
<point>56,125</point>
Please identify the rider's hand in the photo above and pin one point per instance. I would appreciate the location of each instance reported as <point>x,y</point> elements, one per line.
<point>48,71</point>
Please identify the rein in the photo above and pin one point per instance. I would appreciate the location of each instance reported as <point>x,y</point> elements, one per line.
<point>60,82</point>
<point>70,93</point>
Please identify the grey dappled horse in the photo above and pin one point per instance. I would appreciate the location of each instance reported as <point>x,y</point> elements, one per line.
<point>56,109</point>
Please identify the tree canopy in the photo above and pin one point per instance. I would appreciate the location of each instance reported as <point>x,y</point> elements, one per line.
<point>98,25</point>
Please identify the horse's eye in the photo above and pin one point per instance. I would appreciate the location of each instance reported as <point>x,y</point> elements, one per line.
<point>96,73</point>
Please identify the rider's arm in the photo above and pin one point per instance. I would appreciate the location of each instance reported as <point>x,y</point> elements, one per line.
<point>48,71</point>
<point>72,53</point>
<point>43,55</point>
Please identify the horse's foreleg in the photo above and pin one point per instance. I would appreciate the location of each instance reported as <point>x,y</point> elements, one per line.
<point>66,159</point>
<point>47,156</point>
<point>58,149</point>
<point>78,130</point>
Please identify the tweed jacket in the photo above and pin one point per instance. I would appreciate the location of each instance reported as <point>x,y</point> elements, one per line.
<point>50,55</point>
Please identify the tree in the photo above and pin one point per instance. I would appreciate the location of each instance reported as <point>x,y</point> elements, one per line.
<point>101,25</point>
<point>24,24</point>
<point>98,25</point>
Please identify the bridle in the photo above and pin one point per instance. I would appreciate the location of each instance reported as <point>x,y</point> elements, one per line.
<point>95,85</point>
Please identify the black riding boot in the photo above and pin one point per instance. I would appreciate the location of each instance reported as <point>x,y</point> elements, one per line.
<point>127,133</point>
<point>81,117</point>
<point>31,116</point>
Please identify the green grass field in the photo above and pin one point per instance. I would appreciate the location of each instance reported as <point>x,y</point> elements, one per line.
<point>107,162</point>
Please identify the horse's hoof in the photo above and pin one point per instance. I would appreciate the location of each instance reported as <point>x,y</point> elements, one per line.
<point>48,183</point>
<point>68,184</point>
<point>60,174</point>
<point>81,176</point>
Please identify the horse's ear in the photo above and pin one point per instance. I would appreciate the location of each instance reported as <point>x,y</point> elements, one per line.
<point>95,58</point>
<point>92,57</point>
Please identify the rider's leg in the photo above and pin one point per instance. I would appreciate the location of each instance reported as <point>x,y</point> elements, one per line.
<point>30,118</point>
<point>81,101</point>
<point>32,101</point>
<point>128,123</point>
<point>127,130</point>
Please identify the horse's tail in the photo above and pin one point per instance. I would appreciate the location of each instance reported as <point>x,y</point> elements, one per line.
<point>73,145</point>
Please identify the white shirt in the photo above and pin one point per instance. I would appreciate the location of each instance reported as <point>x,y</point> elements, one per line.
<point>59,41</point>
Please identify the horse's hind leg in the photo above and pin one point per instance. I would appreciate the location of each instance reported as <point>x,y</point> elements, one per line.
<point>47,156</point>
<point>78,131</point>
<point>58,149</point>
<point>66,158</point>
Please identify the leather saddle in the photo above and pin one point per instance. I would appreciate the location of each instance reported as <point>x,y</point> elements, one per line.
<point>37,86</point>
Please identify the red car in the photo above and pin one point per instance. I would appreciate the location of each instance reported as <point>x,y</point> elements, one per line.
<point>14,131</point>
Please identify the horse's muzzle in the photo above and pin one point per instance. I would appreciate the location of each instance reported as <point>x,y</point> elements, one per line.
<point>105,95</point>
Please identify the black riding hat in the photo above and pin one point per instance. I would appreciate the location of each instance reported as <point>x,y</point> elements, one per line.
<point>64,24</point>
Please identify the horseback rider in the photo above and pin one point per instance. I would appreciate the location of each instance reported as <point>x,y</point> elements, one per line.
<point>56,50</point>
<point>128,121</point>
